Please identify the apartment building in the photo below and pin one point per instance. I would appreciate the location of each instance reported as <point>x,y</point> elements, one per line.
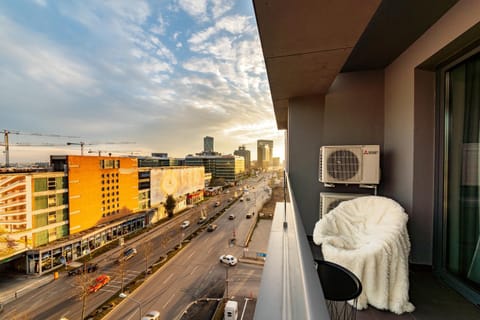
<point>33,211</point>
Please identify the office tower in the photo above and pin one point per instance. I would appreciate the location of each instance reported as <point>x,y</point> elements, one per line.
<point>264,153</point>
<point>208,144</point>
<point>242,152</point>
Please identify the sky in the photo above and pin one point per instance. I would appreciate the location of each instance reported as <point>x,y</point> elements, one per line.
<point>132,76</point>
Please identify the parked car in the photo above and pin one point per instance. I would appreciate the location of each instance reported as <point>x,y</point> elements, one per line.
<point>211,227</point>
<point>228,259</point>
<point>231,216</point>
<point>89,267</point>
<point>249,215</point>
<point>185,224</point>
<point>202,220</point>
<point>151,315</point>
<point>241,199</point>
<point>99,282</point>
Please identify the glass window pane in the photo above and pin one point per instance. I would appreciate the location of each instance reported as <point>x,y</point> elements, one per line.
<point>462,180</point>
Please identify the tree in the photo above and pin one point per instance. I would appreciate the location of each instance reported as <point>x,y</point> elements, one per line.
<point>147,247</point>
<point>82,283</point>
<point>170,205</point>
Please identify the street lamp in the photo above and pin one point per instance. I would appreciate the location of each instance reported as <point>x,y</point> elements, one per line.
<point>123,295</point>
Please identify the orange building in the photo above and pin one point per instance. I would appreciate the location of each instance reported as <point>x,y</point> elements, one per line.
<point>101,189</point>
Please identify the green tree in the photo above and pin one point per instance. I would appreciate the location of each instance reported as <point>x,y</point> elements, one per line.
<point>170,205</point>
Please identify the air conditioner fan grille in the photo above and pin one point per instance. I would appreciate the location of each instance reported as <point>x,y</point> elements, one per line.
<point>343,165</point>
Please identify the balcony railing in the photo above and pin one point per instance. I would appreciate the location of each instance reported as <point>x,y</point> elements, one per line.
<point>290,288</point>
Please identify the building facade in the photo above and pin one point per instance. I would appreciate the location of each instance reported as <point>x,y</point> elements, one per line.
<point>208,146</point>
<point>228,167</point>
<point>243,152</point>
<point>264,153</point>
<point>33,211</point>
<point>101,189</point>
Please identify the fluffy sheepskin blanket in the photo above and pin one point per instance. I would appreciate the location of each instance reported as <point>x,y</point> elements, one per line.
<point>368,235</point>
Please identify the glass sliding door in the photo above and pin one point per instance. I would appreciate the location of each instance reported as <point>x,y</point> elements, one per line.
<point>462,174</point>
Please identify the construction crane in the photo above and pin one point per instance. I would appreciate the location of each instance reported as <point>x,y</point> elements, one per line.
<point>6,142</point>
<point>109,152</point>
<point>82,144</point>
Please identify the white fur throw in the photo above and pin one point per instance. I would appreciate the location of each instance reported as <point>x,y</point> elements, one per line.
<point>368,235</point>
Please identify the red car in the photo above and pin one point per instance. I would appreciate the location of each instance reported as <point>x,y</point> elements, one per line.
<point>100,281</point>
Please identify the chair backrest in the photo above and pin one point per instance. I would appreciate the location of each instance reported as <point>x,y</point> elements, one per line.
<point>338,283</point>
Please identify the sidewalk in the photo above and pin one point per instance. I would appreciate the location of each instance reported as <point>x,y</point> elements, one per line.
<point>13,286</point>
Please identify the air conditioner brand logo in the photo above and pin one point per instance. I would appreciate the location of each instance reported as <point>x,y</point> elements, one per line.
<point>370,152</point>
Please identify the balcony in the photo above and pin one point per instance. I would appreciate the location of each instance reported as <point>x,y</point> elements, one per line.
<point>290,288</point>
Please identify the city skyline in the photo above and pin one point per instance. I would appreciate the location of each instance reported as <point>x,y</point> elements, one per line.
<point>161,75</point>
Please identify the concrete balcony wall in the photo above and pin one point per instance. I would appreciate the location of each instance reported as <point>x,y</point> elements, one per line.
<point>409,139</point>
<point>351,113</point>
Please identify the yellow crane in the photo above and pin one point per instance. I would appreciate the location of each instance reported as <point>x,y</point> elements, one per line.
<point>6,143</point>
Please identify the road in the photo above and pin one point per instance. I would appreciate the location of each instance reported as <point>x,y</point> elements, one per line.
<point>181,280</point>
<point>196,272</point>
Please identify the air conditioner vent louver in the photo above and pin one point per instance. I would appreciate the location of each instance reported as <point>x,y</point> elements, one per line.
<point>343,164</point>
<point>329,201</point>
<point>357,164</point>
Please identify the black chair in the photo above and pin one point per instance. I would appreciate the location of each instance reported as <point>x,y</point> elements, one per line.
<point>341,289</point>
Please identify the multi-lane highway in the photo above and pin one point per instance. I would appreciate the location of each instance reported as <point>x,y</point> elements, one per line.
<point>190,275</point>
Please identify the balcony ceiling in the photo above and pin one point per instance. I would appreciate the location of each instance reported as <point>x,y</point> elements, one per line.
<point>306,43</point>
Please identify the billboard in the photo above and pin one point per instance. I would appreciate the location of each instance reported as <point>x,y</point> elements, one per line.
<point>175,181</point>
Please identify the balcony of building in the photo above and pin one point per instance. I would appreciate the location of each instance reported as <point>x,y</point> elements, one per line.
<point>291,289</point>
<point>381,73</point>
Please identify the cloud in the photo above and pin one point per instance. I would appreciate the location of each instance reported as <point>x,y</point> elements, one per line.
<point>219,7</point>
<point>36,58</point>
<point>160,27</point>
<point>129,70</point>
<point>42,3</point>
<point>195,8</point>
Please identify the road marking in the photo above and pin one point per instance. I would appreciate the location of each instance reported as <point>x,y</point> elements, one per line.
<point>190,255</point>
<point>194,269</point>
<point>168,301</point>
<point>168,278</point>
<point>244,308</point>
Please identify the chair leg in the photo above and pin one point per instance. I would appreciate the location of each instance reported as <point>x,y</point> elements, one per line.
<point>342,310</point>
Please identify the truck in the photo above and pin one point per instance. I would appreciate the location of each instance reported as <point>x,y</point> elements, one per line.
<point>231,310</point>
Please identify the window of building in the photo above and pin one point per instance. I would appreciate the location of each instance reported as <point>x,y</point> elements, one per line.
<point>41,202</point>
<point>40,184</point>
<point>462,172</point>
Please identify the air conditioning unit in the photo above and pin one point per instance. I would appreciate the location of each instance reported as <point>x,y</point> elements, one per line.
<point>355,164</point>
<point>328,200</point>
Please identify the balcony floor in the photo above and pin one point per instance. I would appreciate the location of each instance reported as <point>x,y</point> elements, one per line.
<point>433,300</point>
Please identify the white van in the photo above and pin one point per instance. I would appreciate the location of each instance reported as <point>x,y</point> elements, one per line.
<point>231,310</point>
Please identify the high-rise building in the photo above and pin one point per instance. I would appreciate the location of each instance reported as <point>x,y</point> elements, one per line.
<point>242,152</point>
<point>208,144</point>
<point>264,153</point>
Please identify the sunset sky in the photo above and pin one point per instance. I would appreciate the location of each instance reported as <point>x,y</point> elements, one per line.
<point>160,74</point>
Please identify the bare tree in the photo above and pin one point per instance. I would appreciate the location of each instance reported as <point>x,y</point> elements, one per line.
<point>82,283</point>
<point>147,247</point>
<point>121,270</point>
